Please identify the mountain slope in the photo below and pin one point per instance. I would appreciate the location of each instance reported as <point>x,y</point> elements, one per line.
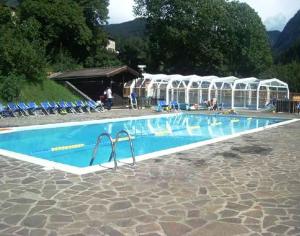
<point>290,34</point>
<point>128,29</point>
<point>11,3</point>
<point>273,36</point>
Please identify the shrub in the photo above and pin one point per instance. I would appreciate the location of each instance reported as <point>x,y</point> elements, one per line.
<point>10,87</point>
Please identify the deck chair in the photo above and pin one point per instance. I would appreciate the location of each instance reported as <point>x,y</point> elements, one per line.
<point>63,107</point>
<point>3,111</point>
<point>175,105</point>
<point>71,107</point>
<point>81,106</point>
<point>54,107</point>
<point>46,108</point>
<point>162,105</point>
<point>93,106</point>
<point>32,108</point>
<point>24,108</point>
<point>13,109</point>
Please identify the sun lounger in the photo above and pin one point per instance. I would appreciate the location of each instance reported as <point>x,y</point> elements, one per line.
<point>81,106</point>
<point>54,107</point>
<point>63,107</point>
<point>24,108</point>
<point>3,111</point>
<point>161,105</point>
<point>13,109</point>
<point>46,108</point>
<point>32,108</point>
<point>93,106</point>
<point>71,107</point>
<point>175,105</point>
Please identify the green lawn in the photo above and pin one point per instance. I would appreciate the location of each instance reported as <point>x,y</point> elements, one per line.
<point>46,90</point>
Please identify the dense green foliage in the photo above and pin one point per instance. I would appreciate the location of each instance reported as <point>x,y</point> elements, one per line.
<point>132,42</point>
<point>21,52</point>
<point>290,73</point>
<point>40,36</point>
<point>134,51</point>
<point>201,36</point>
<point>64,25</point>
<point>10,87</point>
<point>292,54</point>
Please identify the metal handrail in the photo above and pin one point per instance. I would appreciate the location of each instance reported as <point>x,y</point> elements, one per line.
<point>130,142</point>
<point>112,155</point>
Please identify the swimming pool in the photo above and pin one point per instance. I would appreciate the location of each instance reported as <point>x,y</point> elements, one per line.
<point>70,146</point>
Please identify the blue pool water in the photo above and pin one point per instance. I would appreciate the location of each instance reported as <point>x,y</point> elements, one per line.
<point>150,135</point>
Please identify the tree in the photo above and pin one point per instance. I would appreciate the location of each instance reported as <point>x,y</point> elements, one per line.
<point>202,36</point>
<point>134,51</point>
<point>95,11</point>
<point>10,87</point>
<point>248,49</point>
<point>102,58</point>
<point>63,25</point>
<point>20,52</point>
<point>289,73</point>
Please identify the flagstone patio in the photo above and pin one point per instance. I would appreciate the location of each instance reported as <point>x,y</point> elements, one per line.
<point>244,186</point>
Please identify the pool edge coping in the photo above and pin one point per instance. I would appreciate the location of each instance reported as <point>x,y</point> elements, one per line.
<point>50,165</point>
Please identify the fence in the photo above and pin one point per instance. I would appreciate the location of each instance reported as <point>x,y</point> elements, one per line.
<point>286,106</point>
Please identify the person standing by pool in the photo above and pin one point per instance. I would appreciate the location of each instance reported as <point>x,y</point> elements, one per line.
<point>109,98</point>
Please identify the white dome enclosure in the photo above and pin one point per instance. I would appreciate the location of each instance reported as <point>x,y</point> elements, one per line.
<point>230,92</point>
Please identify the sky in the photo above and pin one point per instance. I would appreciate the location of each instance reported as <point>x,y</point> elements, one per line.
<point>274,13</point>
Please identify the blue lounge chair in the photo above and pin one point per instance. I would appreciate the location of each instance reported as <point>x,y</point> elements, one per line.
<point>3,111</point>
<point>24,108</point>
<point>81,106</point>
<point>93,106</point>
<point>54,107</point>
<point>161,105</point>
<point>175,105</point>
<point>32,108</point>
<point>46,108</point>
<point>13,108</point>
<point>64,107</point>
<point>71,107</point>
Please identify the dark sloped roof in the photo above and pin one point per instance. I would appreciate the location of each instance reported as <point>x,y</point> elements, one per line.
<point>95,73</point>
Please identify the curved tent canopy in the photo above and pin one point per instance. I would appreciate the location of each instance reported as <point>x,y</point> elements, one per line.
<point>230,91</point>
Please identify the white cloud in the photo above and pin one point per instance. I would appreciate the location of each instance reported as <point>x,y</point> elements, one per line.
<point>277,22</point>
<point>274,13</point>
<point>120,11</point>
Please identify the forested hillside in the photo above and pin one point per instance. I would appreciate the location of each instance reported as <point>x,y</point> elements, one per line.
<point>286,53</point>
<point>44,36</point>
<point>289,36</point>
<point>134,28</point>
<point>273,36</point>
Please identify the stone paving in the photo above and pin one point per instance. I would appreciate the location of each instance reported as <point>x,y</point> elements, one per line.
<point>244,186</point>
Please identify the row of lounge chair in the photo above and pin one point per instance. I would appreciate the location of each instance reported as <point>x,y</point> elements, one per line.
<point>47,108</point>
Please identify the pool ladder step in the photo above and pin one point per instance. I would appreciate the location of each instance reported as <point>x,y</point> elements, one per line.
<point>113,143</point>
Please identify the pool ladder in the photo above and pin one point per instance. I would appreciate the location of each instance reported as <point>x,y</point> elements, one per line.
<point>113,143</point>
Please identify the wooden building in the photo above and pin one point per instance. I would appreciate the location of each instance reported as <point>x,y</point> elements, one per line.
<point>94,81</point>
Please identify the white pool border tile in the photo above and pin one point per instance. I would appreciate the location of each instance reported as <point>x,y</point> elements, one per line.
<point>50,165</point>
